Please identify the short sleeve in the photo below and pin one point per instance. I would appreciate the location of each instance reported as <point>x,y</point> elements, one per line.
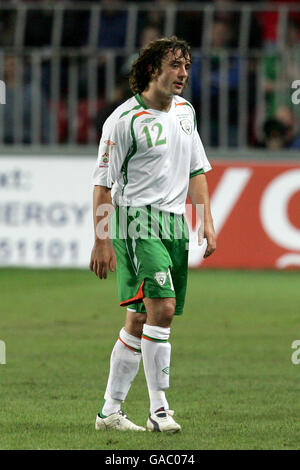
<point>199,161</point>
<point>113,148</point>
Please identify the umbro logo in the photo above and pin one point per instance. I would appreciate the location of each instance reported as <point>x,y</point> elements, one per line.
<point>147,120</point>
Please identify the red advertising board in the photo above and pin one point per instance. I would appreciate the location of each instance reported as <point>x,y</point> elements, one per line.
<point>256,210</point>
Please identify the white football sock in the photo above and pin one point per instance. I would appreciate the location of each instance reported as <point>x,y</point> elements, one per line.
<point>157,400</point>
<point>109,406</point>
<point>124,365</point>
<point>156,352</point>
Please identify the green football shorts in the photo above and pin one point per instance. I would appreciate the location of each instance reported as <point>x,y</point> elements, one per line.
<point>152,256</point>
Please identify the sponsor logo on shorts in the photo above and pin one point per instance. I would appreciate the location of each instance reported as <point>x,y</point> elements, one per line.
<point>110,143</point>
<point>160,278</point>
<point>186,125</point>
<point>166,370</point>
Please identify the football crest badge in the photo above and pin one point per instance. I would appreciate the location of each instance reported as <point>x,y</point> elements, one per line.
<point>160,278</point>
<point>186,126</point>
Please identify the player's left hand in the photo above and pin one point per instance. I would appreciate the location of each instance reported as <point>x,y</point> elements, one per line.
<point>210,235</point>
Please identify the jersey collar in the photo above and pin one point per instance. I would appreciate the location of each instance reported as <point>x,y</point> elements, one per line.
<point>143,104</point>
<point>141,101</point>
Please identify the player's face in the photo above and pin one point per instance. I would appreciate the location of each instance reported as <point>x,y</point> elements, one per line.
<point>174,73</point>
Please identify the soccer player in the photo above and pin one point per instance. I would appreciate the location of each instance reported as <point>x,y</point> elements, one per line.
<point>150,158</point>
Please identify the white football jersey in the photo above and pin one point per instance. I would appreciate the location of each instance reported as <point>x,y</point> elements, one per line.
<point>147,156</point>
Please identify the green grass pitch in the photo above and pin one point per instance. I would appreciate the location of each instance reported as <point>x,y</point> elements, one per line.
<point>233,384</point>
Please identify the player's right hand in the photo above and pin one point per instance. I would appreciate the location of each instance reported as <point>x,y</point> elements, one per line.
<point>103,258</point>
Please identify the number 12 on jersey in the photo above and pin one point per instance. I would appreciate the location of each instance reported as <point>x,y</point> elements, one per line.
<point>157,128</point>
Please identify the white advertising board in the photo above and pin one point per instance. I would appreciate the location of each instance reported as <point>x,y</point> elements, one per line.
<point>46,211</point>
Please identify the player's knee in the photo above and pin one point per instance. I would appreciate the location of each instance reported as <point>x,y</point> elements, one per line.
<point>139,323</point>
<point>134,323</point>
<point>167,313</point>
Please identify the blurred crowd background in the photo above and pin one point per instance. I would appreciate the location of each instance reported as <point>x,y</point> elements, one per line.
<point>66,64</point>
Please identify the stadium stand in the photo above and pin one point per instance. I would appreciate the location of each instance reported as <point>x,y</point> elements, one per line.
<point>65,66</point>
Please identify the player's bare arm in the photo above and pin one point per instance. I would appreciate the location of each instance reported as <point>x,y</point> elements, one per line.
<point>198,194</point>
<point>103,256</point>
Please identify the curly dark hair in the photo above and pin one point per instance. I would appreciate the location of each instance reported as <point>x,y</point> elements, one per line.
<point>153,54</point>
